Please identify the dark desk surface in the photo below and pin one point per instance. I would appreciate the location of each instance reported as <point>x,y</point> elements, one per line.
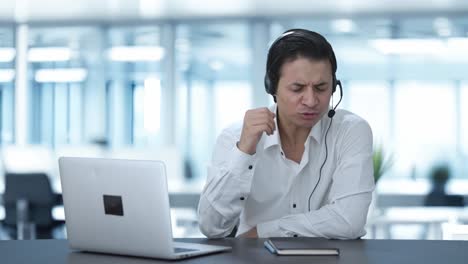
<point>252,251</point>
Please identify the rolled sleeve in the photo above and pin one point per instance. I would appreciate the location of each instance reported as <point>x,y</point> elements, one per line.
<point>227,189</point>
<point>269,229</point>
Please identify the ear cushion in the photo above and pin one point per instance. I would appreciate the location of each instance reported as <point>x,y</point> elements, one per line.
<point>267,84</point>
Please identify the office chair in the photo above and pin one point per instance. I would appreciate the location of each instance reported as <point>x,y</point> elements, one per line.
<point>32,192</point>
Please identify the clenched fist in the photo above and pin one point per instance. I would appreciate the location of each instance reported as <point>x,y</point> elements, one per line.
<point>256,121</point>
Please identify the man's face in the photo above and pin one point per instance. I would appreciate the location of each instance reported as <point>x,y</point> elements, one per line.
<point>304,91</point>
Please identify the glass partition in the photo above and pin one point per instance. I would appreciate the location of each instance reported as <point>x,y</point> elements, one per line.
<point>135,85</point>
<point>61,62</point>
<point>213,67</point>
<point>403,75</point>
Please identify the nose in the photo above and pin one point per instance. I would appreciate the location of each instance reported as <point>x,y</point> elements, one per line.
<point>310,97</point>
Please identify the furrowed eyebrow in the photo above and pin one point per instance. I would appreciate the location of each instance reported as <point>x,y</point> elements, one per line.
<point>298,84</point>
<point>303,84</point>
<point>320,84</point>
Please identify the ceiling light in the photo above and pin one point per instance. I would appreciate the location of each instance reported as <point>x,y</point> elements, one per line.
<point>408,46</point>
<point>7,54</point>
<point>49,54</point>
<point>343,25</point>
<point>60,75</point>
<point>136,53</point>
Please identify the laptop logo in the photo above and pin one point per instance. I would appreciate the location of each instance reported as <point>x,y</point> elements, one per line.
<point>113,205</point>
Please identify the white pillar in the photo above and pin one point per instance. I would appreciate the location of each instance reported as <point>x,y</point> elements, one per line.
<point>168,93</point>
<point>22,92</point>
<point>94,90</point>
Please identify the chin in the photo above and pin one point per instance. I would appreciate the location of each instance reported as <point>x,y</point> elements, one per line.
<point>307,124</point>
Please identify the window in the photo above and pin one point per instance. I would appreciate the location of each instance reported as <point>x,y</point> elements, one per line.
<point>464,120</point>
<point>408,94</point>
<point>7,79</point>
<point>213,69</point>
<point>147,112</point>
<point>371,101</point>
<point>136,86</point>
<point>425,125</point>
<point>232,100</point>
<point>61,61</point>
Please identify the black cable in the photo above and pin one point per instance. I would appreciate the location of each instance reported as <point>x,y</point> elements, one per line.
<point>323,164</point>
<point>331,114</point>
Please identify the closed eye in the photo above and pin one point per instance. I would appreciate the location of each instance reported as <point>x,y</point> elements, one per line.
<point>296,87</point>
<point>321,87</point>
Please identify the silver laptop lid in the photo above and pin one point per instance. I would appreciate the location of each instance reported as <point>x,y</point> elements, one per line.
<point>117,206</point>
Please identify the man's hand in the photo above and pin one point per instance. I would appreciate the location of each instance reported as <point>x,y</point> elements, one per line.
<point>252,233</point>
<point>256,121</point>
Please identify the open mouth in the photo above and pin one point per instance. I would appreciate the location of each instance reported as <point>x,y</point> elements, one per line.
<point>309,115</point>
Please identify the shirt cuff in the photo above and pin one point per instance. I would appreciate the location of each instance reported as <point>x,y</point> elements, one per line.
<point>269,229</point>
<point>242,164</point>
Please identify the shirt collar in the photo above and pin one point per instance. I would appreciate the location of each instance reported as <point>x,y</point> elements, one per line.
<point>315,132</point>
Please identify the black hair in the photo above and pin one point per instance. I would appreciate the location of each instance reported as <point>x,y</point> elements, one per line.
<point>292,44</point>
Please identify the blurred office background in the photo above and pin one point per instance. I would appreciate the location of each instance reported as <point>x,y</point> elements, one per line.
<point>159,79</point>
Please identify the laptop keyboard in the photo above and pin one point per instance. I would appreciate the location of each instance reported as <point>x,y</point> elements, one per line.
<point>181,250</point>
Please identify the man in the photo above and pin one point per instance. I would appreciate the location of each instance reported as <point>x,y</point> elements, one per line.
<point>298,168</point>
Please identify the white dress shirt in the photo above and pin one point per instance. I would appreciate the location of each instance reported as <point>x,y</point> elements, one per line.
<point>268,191</point>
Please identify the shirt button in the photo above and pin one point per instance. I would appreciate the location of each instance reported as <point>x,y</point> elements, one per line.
<point>242,198</point>
<point>294,205</point>
<point>282,153</point>
<point>250,167</point>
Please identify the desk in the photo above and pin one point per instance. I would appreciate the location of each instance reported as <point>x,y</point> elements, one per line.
<point>252,251</point>
<point>431,217</point>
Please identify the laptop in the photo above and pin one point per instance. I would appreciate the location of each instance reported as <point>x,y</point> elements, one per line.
<point>121,207</point>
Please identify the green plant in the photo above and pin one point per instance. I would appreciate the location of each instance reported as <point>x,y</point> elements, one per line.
<point>382,162</point>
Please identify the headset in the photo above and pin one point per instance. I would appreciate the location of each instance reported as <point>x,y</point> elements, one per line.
<point>307,37</point>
